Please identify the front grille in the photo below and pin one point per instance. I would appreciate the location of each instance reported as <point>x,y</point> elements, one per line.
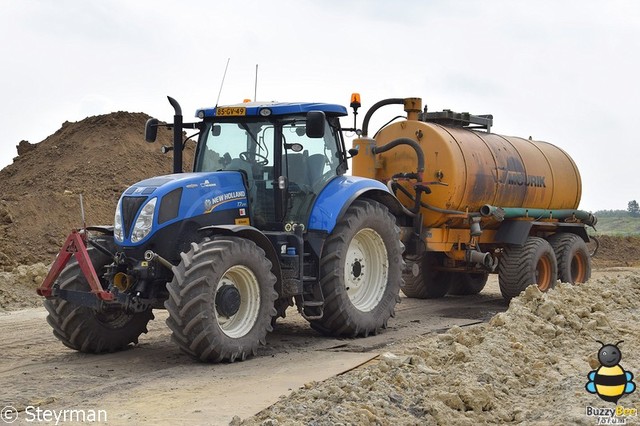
<point>130,207</point>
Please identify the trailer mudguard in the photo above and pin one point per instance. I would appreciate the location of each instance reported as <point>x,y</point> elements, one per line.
<point>337,196</point>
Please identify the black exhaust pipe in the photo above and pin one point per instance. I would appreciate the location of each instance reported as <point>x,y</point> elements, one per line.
<point>177,135</point>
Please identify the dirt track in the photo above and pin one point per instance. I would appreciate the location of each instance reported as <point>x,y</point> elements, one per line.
<point>155,383</point>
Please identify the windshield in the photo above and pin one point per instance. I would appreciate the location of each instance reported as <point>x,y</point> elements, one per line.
<point>224,142</point>
<point>265,150</point>
<point>230,145</point>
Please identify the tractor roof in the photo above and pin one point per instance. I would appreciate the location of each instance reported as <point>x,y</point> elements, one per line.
<point>275,108</point>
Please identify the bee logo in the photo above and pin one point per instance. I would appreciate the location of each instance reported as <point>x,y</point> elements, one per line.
<point>610,381</point>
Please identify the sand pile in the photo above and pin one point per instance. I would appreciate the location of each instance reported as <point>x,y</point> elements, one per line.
<point>98,157</point>
<point>528,364</point>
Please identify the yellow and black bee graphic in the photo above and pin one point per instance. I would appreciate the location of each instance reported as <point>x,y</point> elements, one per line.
<point>610,381</point>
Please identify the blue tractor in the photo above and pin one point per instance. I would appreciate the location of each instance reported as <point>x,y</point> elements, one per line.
<point>268,219</point>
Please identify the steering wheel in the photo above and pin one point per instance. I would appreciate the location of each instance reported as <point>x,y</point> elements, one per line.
<point>258,158</point>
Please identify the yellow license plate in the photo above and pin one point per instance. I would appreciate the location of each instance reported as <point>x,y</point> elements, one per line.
<point>230,111</point>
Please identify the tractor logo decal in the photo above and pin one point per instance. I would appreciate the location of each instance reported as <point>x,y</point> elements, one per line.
<point>210,204</point>
<point>207,184</point>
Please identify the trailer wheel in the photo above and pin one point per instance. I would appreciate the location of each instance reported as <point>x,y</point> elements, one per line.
<point>574,262</point>
<point>423,281</point>
<point>85,329</point>
<point>221,300</point>
<point>361,271</point>
<point>465,284</point>
<point>532,263</point>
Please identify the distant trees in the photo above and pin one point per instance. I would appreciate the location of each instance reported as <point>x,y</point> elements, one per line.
<point>633,208</point>
<point>612,213</point>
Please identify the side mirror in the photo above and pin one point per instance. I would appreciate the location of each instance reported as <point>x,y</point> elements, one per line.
<point>151,130</point>
<point>315,124</point>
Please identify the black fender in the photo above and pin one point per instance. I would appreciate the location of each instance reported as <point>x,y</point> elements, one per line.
<point>516,232</point>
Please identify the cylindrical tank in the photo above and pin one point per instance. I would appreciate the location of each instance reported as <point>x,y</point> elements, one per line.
<point>466,169</point>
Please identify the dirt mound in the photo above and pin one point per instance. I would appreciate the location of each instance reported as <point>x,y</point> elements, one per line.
<point>617,251</point>
<point>98,157</point>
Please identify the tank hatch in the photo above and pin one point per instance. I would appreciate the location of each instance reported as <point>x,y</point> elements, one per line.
<point>458,119</point>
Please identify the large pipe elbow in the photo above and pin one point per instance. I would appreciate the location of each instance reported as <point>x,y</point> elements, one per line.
<point>374,108</point>
<point>404,141</point>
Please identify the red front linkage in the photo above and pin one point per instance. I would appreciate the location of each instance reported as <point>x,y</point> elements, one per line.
<point>76,245</point>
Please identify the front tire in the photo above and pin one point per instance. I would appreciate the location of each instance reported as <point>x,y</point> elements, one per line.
<point>221,300</point>
<point>532,263</point>
<point>361,272</point>
<point>85,329</point>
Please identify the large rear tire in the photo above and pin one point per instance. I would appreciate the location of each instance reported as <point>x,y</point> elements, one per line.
<point>574,261</point>
<point>466,284</point>
<point>360,272</point>
<point>423,281</point>
<point>521,266</point>
<point>85,329</point>
<point>221,300</point>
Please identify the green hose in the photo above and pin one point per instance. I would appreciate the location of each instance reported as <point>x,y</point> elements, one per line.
<point>502,213</point>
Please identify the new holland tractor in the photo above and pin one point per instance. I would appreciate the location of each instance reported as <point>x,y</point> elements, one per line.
<point>269,219</point>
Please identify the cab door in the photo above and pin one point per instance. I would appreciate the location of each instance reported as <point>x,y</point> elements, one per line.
<point>308,164</point>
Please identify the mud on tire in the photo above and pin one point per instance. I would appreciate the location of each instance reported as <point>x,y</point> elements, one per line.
<point>360,271</point>
<point>83,328</point>
<point>221,300</point>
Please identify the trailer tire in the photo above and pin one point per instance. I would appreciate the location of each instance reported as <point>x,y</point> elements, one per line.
<point>574,262</point>
<point>221,300</point>
<point>84,329</point>
<point>521,266</point>
<point>422,281</point>
<point>360,272</point>
<point>467,283</point>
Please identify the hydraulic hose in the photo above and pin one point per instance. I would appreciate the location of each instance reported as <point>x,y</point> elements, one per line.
<point>374,108</point>
<point>402,189</point>
<point>390,186</point>
<point>404,141</point>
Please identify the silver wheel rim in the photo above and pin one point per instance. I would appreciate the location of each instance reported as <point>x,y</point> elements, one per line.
<point>245,281</point>
<point>366,269</point>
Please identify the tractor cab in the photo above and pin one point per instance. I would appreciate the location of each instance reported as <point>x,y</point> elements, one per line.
<point>286,153</point>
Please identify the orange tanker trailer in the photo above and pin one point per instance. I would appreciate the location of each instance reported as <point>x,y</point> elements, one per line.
<point>478,203</point>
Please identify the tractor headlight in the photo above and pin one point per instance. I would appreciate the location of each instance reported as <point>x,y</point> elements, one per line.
<point>144,222</point>
<point>118,234</point>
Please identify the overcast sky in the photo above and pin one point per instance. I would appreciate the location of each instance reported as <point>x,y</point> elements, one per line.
<point>567,72</point>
